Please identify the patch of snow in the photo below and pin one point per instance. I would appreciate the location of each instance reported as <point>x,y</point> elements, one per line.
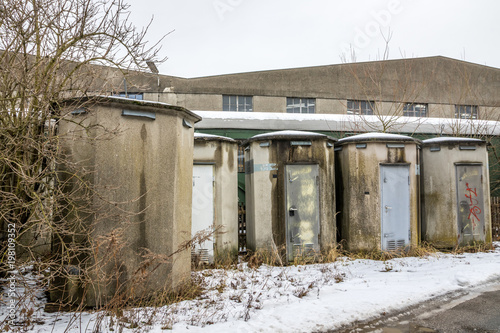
<point>212,136</point>
<point>344,123</point>
<point>376,137</point>
<point>291,134</point>
<point>445,139</point>
<point>304,298</point>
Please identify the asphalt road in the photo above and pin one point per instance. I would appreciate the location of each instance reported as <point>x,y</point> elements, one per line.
<point>476,310</point>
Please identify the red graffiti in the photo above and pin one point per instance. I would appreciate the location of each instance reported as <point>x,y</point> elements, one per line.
<point>474,210</point>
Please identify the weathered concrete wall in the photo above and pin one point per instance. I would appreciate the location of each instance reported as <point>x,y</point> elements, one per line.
<point>330,106</point>
<point>441,111</point>
<point>224,155</point>
<point>360,213</point>
<point>265,189</point>
<point>259,194</point>
<point>147,206</point>
<point>205,102</point>
<point>439,187</point>
<point>268,104</point>
<point>438,81</point>
<point>388,108</point>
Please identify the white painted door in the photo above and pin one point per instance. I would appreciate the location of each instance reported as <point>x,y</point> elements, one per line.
<point>203,209</point>
<point>395,206</point>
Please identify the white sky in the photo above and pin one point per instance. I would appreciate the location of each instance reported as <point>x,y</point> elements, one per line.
<point>230,36</point>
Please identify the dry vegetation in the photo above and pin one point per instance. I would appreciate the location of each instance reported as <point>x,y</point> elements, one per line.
<point>51,51</point>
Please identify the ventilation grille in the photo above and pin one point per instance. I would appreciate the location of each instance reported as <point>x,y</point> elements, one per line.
<point>200,256</point>
<point>304,250</point>
<point>395,244</point>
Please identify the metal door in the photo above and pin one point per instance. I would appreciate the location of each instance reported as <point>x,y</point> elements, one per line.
<point>302,210</point>
<point>395,208</point>
<point>203,209</point>
<point>470,203</point>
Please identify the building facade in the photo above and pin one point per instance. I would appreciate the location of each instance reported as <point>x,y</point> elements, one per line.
<point>418,87</point>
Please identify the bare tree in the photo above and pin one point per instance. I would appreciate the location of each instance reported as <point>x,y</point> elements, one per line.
<point>51,50</point>
<point>377,83</point>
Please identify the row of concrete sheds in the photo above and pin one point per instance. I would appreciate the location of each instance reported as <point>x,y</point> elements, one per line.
<point>292,201</point>
<point>304,191</point>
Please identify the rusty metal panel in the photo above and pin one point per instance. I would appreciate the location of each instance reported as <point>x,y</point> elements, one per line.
<point>302,210</point>
<point>203,209</point>
<point>470,203</point>
<point>395,206</point>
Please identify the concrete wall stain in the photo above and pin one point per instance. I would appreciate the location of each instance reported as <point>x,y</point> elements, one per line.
<point>144,132</point>
<point>230,157</point>
<point>396,155</point>
<point>142,239</point>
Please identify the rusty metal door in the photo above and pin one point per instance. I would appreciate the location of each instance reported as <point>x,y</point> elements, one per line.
<point>470,203</point>
<point>395,206</point>
<point>203,209</point>
<point>302,210</point>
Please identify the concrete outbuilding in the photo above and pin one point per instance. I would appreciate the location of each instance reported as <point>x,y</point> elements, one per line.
<point>377,191</point>
<point>138,156</point>
<point>456,192</point>
<point>290,185</point>
<point>215,196</point>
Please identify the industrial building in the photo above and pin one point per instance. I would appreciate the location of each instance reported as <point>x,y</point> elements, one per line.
<point>414,87</point>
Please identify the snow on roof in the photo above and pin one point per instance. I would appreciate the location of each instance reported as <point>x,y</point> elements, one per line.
<point>344,123</point>
<point>211,137</point>
<point>448,139</point>
<point>289,135</point>
<point>377,137</point>
<point>131,101</point>
<point>141,101</point>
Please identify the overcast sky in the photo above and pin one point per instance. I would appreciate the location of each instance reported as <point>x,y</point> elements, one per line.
<point>229,36</point>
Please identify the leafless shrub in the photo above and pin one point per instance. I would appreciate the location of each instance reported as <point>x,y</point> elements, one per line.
<point>52,51</point>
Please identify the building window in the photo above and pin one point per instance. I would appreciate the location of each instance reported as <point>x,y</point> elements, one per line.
<point>466,111</point>
<point>237,103</point>
<point>360,107</point>
<point>300,105</point>
<point>138,96</point>
<point>415,110</point>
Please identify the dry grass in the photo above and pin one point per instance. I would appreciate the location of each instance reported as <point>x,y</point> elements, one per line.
<point>276,258</point>
<point>474,248</point>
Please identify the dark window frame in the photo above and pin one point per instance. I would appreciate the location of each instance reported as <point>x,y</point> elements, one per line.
<point>133,95</point>
<point>237,103</point>
<point>300,105</point>
<point>360,107</point>
<point>466,111</point>
<point>415,110</point>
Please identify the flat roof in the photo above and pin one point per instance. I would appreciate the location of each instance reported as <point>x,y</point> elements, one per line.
<point>344,123</point>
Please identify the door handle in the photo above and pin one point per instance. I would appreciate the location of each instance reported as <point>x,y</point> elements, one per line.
<point>292,211</point>
<point>387,208</point>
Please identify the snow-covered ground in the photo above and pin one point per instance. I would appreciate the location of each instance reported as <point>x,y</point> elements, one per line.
<point>307,298</point>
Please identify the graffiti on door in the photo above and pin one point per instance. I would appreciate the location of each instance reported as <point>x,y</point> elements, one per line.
<point>474,210</point>
<point>470,203</point>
